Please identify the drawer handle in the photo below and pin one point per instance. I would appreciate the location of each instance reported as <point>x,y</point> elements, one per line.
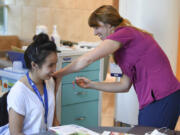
<point>80,93</point>
<point>81,118</point>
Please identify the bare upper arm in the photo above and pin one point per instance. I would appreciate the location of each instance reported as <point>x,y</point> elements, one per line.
<point>105,48</point>
<point>15,122</point>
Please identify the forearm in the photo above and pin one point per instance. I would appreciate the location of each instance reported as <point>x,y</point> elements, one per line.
<point>114,87</point>
<point>122,86</point>
<point>75,66</point>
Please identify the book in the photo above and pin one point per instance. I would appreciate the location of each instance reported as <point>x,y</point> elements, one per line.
<point>72,130</point>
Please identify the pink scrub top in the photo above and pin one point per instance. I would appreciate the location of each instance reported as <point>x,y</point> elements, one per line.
<point>145,63</point>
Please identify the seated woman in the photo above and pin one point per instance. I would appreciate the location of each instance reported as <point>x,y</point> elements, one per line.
<point>31,101</point>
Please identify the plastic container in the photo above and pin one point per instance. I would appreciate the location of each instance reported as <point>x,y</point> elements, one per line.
<point>9,78</point>
<point>16,56</point>
<point>55,36</point>
<point>17,65</point>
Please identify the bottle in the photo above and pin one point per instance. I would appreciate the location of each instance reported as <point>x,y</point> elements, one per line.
<point>55,36</point>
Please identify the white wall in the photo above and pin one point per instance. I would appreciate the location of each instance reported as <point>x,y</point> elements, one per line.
<point>161,18</point>
<point>127,107</point>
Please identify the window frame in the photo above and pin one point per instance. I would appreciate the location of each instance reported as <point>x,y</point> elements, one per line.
<point>5,8</point>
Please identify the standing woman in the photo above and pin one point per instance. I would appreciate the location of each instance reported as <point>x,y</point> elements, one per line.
<point>143,63</point>
<point>31,101</point>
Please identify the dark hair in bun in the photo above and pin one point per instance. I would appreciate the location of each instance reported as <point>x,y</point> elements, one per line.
<point>38,50</point>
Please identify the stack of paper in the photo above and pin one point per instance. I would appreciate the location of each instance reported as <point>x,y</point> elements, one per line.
<point>72,130</point>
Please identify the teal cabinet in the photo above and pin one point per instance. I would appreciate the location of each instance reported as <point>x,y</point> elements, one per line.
<point>85,114</point>
<point>72,95</point>
<point>80,106</point>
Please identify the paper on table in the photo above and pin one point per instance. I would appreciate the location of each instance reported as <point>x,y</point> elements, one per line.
<point>72,129</point>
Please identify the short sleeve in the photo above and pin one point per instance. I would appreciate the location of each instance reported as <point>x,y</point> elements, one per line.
<point>123,35</point>
<point>50,84</point>
<point>16,99</point>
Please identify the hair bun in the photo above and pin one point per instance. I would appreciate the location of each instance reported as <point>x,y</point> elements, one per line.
<point>41,38</point>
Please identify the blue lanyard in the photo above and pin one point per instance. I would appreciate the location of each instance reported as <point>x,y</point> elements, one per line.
<point>45,102</point>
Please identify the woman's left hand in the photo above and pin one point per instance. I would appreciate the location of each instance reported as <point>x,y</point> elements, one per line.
<point>83,82</point>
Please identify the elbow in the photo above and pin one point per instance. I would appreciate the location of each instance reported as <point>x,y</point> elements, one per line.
<point>127,87</point>
<point>82,62</point>
<point>126,90</point>
<point>126,83</point>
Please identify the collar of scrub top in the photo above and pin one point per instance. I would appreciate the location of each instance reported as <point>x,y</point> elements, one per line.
<point>45,102</point>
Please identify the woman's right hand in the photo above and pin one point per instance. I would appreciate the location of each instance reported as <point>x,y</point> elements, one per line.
<point>83,82</point>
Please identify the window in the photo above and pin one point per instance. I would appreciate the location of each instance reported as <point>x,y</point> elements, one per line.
<point>3,16</point>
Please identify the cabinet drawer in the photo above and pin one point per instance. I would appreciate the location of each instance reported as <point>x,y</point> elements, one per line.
<point>72,95</point>
<point>94,66</point>
<point>92,75</point>
<point>84,114</point>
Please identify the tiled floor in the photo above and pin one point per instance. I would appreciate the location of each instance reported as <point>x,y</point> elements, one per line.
<point>108,103</point>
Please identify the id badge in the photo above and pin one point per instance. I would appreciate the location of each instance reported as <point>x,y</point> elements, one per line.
<point>115,70</point>
<point>44,128</point>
